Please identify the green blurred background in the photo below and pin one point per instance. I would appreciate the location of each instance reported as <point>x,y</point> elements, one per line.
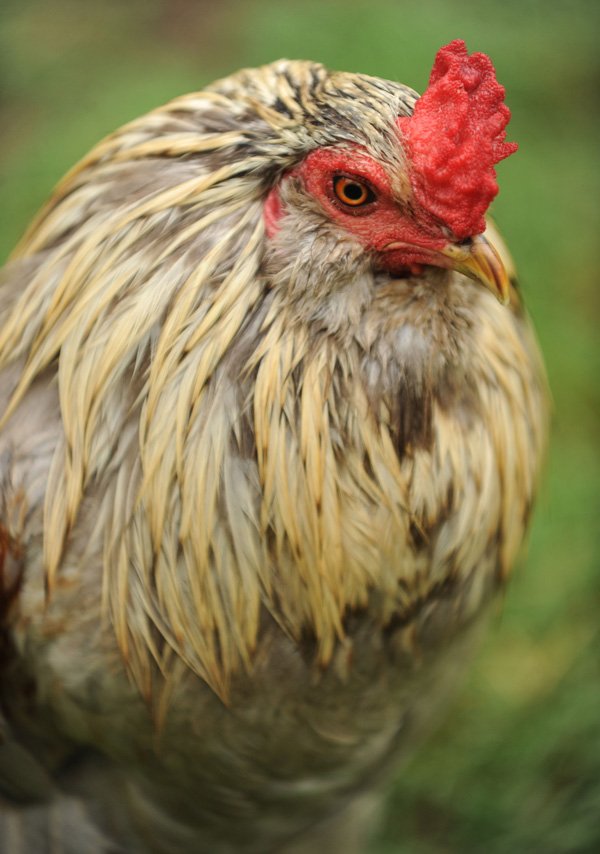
<point>516,766</point>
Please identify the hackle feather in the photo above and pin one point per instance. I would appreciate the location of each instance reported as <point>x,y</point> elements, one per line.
<point>245,465</point>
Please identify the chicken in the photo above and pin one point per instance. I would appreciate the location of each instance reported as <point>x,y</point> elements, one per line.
<point>273,420</point>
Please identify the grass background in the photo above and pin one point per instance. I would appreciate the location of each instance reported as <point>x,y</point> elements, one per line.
<point>516,766</point>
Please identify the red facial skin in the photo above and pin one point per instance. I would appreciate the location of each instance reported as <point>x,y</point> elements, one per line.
<point>272,212</point>
<point>376,224</point>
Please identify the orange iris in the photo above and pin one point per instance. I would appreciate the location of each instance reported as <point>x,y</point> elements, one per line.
<point>351,192</point>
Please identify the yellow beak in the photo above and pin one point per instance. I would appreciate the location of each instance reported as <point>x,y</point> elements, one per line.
<point>480,260</point>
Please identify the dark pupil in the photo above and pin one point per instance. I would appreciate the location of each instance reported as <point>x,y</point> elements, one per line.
<point>353,191</point>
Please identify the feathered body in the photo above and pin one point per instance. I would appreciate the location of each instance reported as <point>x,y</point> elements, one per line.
<point>255,488</point>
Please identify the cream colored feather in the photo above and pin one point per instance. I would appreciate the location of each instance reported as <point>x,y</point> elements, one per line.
<point>246,464</point>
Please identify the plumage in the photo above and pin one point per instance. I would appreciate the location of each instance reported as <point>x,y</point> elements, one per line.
<point>261,470</point>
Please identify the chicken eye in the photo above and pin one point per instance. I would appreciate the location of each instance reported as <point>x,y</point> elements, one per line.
<point>352,192</point>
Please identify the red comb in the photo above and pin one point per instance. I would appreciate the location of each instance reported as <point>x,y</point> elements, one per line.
<point>455,137</point>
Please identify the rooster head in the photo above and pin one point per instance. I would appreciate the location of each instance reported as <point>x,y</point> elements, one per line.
<point>413,196</point>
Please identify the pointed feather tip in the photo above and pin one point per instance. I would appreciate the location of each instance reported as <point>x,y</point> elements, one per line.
<point>455,137</point>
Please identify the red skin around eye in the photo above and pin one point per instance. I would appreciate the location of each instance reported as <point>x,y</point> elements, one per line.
<point>375,224</point>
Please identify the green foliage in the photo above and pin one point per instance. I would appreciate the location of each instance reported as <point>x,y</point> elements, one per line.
<point>516,767</point>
